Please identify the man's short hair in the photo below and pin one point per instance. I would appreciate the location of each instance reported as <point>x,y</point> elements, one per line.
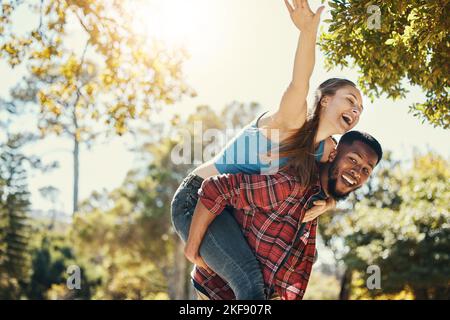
<point>365,138</point>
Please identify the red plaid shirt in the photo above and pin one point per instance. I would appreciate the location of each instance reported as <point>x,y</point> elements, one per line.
<point>269,209</point>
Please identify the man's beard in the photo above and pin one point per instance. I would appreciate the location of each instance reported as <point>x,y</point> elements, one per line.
<point>332,181</point>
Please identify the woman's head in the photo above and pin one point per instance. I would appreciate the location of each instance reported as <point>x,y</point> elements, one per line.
<point>338,104</point>
<point>337,107</point>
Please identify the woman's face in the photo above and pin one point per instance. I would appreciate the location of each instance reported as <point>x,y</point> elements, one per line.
<point>342,111</point>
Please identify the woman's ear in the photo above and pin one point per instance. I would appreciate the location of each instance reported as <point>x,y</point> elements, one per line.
<point>324,101</point>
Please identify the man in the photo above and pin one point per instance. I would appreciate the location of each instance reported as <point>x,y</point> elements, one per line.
<point>270,209</point>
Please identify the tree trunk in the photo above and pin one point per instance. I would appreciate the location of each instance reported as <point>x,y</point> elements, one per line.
<point>76,170</point>
<point>176,276</point>
<point>344,294</point>
<point>179,276</point>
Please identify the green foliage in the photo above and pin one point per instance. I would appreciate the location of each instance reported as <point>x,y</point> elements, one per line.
<point>14,228</point>
<point>322,286</point>
<point>411,44</point>
<point>16,233</point>
<point>120,239</point>
<point>118,76</point>
<point>51,257</point>
<point>402,226</point>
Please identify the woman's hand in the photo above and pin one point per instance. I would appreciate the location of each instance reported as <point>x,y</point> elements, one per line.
<point>301,14</point>
<point>191,253</point>
<point>320,207</point>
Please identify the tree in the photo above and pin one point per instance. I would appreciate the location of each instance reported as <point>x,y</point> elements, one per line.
<point>118,75</point>
<point>394,41</point>
<point>123,237</point>
<point>52,194</point>
<point>16,234</point>
<point>52,254</point>
<point>401,225</point>
<point>14,228</point>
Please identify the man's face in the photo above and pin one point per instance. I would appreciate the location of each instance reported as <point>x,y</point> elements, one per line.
<point>351,169</point>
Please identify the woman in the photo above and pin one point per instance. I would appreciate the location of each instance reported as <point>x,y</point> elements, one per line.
<point>302,140</point>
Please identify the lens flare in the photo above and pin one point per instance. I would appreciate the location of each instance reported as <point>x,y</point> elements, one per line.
<point>176,22</point>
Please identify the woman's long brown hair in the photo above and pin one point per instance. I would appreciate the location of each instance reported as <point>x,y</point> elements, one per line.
<point>300,147</point>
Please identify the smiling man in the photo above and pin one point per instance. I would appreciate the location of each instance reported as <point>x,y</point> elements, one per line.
<point>270,210</point>
<point>357,155</point>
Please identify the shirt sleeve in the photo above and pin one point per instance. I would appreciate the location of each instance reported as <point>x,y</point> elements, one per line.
<point>241,191</point>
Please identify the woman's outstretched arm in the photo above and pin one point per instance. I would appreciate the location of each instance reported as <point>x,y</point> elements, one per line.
<point>293,108</point>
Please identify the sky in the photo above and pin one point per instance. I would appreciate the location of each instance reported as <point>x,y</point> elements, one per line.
<point>239,51</point>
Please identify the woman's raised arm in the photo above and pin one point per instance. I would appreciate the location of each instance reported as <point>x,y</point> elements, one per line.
<point>292,110</point>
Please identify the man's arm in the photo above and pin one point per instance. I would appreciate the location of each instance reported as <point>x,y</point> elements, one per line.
<point>201,220</point>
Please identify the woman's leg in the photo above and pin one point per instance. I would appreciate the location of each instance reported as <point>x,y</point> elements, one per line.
<point>224,247</point>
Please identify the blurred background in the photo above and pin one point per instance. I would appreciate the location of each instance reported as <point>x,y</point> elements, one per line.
<point>95,95</point>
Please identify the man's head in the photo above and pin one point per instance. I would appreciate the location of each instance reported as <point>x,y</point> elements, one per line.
<point>357,155</point>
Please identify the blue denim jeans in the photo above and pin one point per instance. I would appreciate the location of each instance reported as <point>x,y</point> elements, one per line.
<point>224,247</point>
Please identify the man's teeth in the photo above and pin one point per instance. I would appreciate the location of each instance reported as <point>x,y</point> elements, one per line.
<point>349,179</point>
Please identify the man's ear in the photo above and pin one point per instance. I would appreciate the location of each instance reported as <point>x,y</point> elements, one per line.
<point>332,155</point>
